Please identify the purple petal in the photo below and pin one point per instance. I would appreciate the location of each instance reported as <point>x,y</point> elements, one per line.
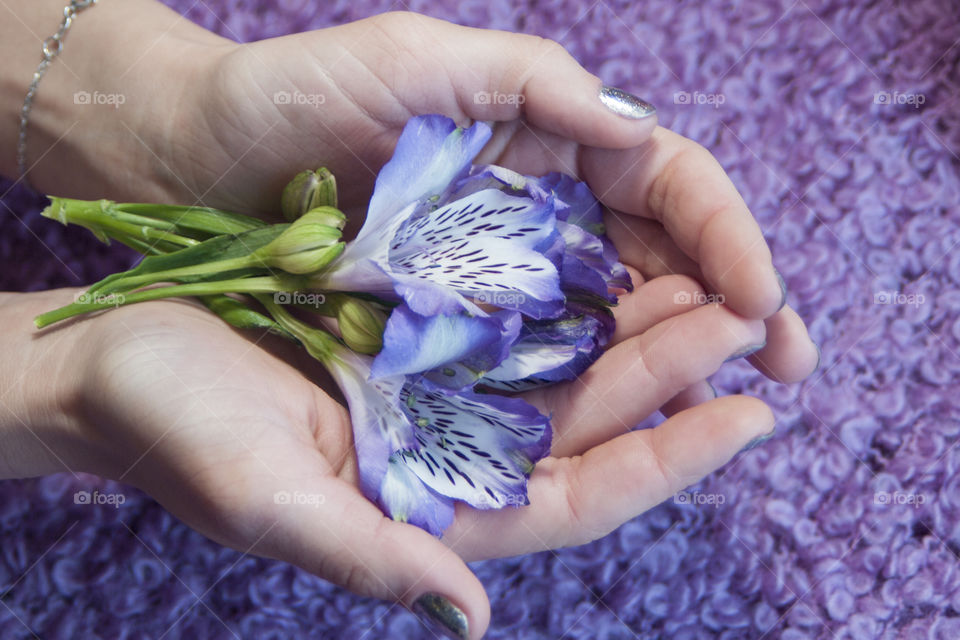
<point>474,447</point>
<point>380,426</point>
<point>481,246</point>
<point>431,152</point>
<point>406,499</point>
<point>537,358</point>
<point>450,351</point>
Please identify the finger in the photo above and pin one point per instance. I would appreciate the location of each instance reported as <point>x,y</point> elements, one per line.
<point>653,302</point>
<point>695,394</point>
<point>501,76</point>
<point>576,500</point>
<point>678,183</point>
<point>634,378</point>
<point>646,245</point>
<point>790,354</point>
<point>337,534</point>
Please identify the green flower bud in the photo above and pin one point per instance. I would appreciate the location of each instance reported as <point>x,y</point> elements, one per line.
<point>308,245</point>
<point>361,325</point>
<point>308,190</point>
<point>329,216</point>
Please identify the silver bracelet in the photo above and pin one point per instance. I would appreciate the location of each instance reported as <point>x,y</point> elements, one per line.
<point>52,47</point>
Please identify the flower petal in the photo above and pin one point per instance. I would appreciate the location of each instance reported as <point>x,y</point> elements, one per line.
<point>583,210</point>
<point>554,350</point>
<point>450,351</point>
<point>380,428</point>
<point>406,499</point>
<point>483,245</point>
<point>477,448</point>
<point>431,152</point>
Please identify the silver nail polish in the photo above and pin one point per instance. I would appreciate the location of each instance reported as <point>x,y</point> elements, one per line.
<point>442,616</point>
<point>756,442</point>
<point>626,104</point>
<point>783,290</point>
<point>746,351</point>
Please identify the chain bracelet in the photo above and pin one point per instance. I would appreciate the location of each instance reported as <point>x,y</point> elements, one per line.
<point>51,48</point>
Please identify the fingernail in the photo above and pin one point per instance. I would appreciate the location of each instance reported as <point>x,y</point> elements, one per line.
<point>714,389</point>
<point>819,356</point>
<point>626,104</point>
<point>783,290</point>
<point>756,442</point>
<point>746,351</point>
<point>442,616</point>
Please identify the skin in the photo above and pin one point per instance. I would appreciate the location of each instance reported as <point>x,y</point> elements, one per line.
<point>213,423</point>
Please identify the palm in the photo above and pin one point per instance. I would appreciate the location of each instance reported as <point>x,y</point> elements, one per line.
<point>207,422</point>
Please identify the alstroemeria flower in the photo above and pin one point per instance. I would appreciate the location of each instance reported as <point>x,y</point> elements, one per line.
<point>442,253</point>
<point>455,351</point>
<point>555,350</point>
<point>419,451</point>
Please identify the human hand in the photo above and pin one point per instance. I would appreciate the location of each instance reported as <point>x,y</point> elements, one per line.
<point>208,120</point>
<point>246,449</point>
<point>672,207</point>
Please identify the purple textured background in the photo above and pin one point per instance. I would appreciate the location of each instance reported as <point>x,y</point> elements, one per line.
<point>856,198</point>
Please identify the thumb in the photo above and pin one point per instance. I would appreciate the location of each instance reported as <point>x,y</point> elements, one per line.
<point>502,76</point>
<point>331,530</point>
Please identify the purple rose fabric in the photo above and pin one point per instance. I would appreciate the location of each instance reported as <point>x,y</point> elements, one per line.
<point>840,124</point>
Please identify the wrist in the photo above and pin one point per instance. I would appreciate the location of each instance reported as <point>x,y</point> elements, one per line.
<point>41,387</point>
<point>105,114</point>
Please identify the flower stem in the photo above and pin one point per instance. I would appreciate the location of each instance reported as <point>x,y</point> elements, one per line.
<point>108,219</point>
<point>207,268</point>
<point>319,343</point>
<point>267,284</point>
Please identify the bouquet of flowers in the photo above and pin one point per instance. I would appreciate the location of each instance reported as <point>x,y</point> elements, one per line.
<point>466,284</point>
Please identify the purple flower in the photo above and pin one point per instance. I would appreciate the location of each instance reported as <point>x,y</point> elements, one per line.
<point>501,279</point>
<point>438,252</point>
<point>420,450</point>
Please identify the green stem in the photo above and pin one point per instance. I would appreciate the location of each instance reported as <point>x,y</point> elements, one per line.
<point>189,223</point>
<point>98,217</point>
<point>171,275</point>
<point>239,285</point>
<point>238,313</point>
<point>318,342</point>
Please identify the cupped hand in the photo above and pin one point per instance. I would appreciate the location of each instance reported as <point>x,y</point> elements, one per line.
<point>339,97</point>
<point>223,431</point>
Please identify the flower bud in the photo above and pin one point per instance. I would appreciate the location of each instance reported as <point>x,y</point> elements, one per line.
<point>361,325</point>
<point>308,190</point>
<point>308,245</point>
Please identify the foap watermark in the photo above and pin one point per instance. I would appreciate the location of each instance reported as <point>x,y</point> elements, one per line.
<point>112,499</point>
<point>899,98</point>
<point>299,498</point>
<point>315,100</point>
<point>885,498</point>
<point>495,97</point>
<point>697,297</point>
<point>698,98</point>
<point>303,298</point>
<point>114,100</point>
<point>509,499</point>
<point>897,297</point>
<point>700,499</point>
<point>85,297</point>
<point>500,298</point>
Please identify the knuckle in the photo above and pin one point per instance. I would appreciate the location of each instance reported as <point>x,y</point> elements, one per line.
<point>582,526</point>
<point>667,185</point>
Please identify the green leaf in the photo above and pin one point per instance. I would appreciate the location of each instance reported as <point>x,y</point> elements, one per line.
<point>215,249</point>
<point>191,221</point>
